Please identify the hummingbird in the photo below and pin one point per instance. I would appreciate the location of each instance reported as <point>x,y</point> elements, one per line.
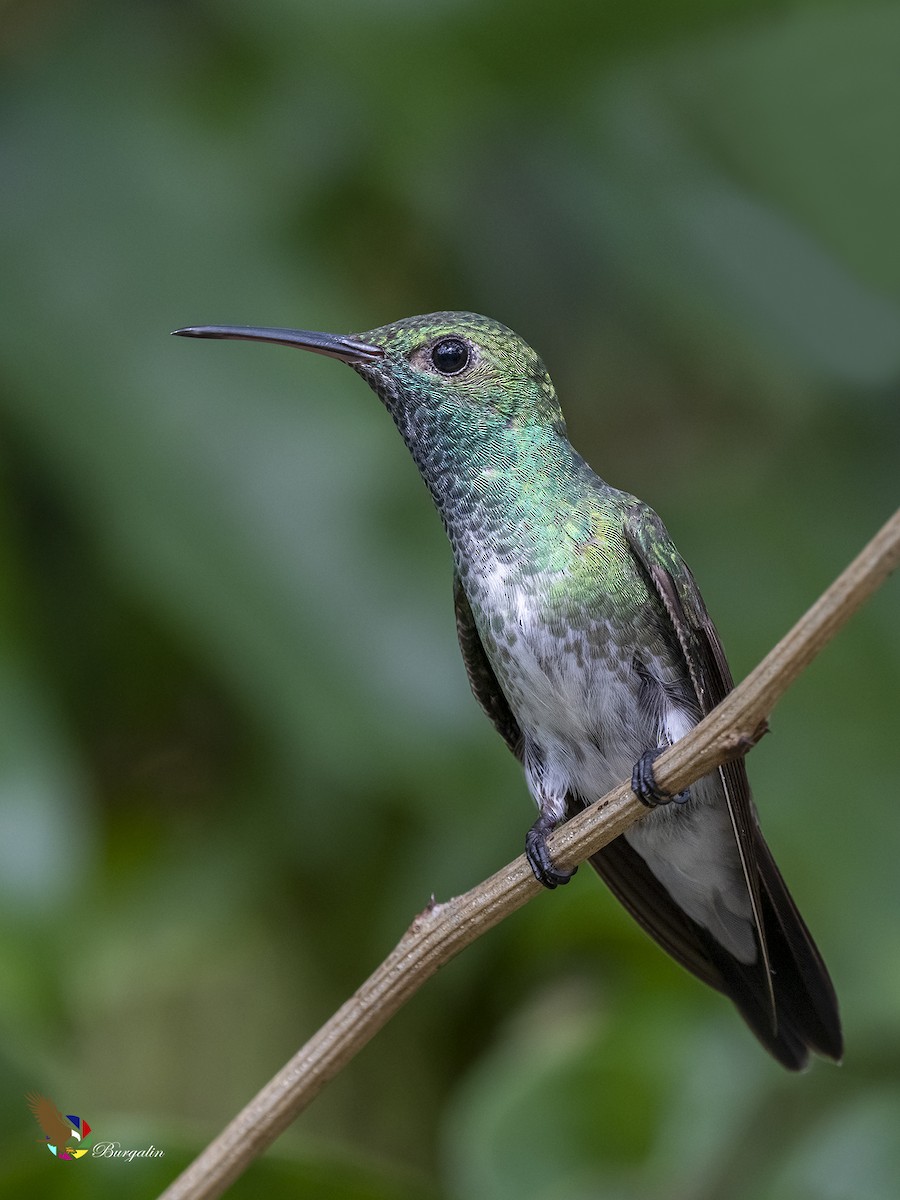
<point>587,643</point>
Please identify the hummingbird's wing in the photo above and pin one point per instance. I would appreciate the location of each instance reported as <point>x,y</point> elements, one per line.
<point>670,577</point>
<point>786,995</point>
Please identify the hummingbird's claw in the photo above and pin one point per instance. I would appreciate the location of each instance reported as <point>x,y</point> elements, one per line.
<point>538,856</point>
<point>645,787</point>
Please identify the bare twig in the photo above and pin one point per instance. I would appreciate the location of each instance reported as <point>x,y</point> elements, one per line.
<point>442,930</point>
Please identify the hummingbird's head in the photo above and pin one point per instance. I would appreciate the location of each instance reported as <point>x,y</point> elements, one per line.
<point>468,368</point>
<point>454,370</point>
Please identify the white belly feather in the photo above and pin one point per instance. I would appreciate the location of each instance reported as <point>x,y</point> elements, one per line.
<point>575,696</point>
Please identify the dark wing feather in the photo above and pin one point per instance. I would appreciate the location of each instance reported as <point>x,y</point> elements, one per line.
<point>710,675</point>
<point>712,681</point>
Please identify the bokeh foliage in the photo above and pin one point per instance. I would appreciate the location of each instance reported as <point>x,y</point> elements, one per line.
<point>237,751</point>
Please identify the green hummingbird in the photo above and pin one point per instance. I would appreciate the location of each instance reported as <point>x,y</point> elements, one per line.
<point>587,643</point>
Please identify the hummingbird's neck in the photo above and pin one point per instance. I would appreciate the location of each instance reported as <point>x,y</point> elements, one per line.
<point>505,493</point>
<point>507,490</point>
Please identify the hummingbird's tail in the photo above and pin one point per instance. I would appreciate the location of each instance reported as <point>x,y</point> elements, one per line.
<point>806,1012</point>
<point>806,1008</point>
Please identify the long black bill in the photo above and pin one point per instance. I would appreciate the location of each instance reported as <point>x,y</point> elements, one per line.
<point>330,344</point>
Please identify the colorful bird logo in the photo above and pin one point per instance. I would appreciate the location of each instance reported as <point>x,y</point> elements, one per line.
<point>59,1131</point>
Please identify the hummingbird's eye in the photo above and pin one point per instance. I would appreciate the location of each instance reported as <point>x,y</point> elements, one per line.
<point>450,356</point>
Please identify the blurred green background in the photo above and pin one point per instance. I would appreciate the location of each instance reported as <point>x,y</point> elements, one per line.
<point>237,748</point>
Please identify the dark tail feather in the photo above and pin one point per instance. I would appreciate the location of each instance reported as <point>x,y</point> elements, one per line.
<point>806,1011</point>
<point>805,1002</point>
<point>806,1008</point>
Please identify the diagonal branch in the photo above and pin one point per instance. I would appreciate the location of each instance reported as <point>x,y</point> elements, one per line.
<point>442,930</point>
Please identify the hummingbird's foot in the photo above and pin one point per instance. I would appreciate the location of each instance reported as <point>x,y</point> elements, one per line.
<point>538,855</point>
<point>645,787</point>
